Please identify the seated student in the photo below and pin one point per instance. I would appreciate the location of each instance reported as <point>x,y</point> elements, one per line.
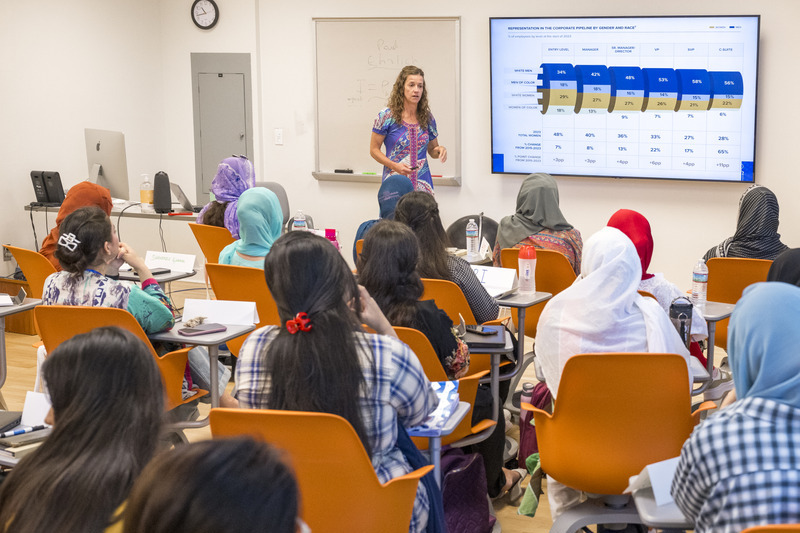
<point>391,190</point>
<point>756,235</point>
<point>539,222</point>
<point>601,312</point>
<point>107,403</point>
<point>387,270</point>
<point>260,223</point>
<point>234,176</point>
<point>215,486</point>
<point>637,228</point>
<point>320,359</point>
<point>87,249</point>
<point>741,466</point>
<point>786,267</point>
<point>420,212</point>
<point>81,195</point>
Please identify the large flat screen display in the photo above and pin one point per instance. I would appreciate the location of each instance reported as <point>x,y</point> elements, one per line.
<point>628,97</point>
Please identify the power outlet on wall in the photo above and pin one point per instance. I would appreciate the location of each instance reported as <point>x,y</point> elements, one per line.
<point>7,254</point>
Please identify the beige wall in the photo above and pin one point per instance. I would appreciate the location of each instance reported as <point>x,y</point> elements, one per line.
<point>92,64</point>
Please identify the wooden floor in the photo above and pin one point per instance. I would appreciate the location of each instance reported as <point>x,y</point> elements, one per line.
<point>22,374</point>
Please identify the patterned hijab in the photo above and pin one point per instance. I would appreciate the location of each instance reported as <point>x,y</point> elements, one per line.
<point>84,194</point>
<point>234,176</point>
<point>637,228</point>
<point>756,234</point>
<point>537,209</point>
<point>786,267</point>
<point>762,343</point>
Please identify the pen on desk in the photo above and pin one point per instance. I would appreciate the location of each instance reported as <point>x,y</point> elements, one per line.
<point>187,213</point>
<point>21,431</point>
<point>370,173</point>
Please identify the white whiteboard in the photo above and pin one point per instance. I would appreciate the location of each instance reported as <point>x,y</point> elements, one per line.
<point>357,62</point>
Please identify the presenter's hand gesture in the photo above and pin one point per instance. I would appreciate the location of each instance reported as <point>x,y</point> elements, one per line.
<point>440,153</point>
<point>402,168</point>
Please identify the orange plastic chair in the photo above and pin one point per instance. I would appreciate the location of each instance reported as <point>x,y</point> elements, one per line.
<point>597,438</point>
<point>451,300</point>
<point>212,239</point>
<point>338,486</point>
<point>553,275</point>
<point>467,388</point>
<point>35,266</point>
<point>243,284</point>
<point>774,528</point>
<point>728,277</point>
<point>58,323</point>
<point>359,247</point>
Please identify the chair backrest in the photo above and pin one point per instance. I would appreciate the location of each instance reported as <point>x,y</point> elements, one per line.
<point>280,192</point>
<point>597,437</point>
<point>338,485</point>
<point>359,247</point>
<point>467,386</point>
<point>457,231</point>
<point>728,277</point>
<point>774,528</point>
<point>243,284</point>
<point>449,298</point>
<point>212,239</point>
<point>35,266</point>
<point>553,274</point>
<point>58,323</point>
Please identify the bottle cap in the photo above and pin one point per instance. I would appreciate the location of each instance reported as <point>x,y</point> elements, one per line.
<point>527,252</point>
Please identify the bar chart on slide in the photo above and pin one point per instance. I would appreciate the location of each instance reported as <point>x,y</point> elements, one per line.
<point>571,97</point>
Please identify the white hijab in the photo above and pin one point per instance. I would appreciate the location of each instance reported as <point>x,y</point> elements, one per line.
<point>602,311</point>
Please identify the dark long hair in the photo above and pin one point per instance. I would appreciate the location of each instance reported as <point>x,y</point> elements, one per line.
<point>215,486</point>
<point>397,99</point>
<point>215,215</point>
<point>317,370</point>
<point>388,270</point>
<point>92,227</point>
<point>419,211</point>
<point>107,402</point>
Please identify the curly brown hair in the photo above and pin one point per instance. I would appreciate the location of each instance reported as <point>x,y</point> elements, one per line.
<point>397,98</point>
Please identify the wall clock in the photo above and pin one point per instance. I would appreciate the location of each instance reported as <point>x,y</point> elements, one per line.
<point>205,14</point>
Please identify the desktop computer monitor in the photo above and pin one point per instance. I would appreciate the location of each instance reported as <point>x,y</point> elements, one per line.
<point>108,166</point>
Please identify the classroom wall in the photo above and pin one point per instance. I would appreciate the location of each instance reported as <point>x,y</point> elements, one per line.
<point>89,63</point>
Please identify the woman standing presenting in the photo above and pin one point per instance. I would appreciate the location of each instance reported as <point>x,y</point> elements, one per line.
<point>408,129</point>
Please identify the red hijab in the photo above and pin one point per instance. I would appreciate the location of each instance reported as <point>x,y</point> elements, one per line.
<point>637,228</point>
<point>84,194</point>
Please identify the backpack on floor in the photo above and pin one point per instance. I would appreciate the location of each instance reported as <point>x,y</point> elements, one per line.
<point>464,491</point>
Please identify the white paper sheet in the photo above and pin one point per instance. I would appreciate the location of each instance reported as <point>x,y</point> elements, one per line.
<point>222,311</point>
<point>35,409</point>
<point>659,476</point>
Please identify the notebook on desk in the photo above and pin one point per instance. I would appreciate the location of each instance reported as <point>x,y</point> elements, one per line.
<point>476,341</point>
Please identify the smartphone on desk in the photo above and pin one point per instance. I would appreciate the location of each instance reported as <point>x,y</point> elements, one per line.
<point>202,329</point>
<point>480,330</point>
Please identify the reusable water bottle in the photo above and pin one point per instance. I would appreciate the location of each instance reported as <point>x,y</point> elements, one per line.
<point>472,238</point>
<point>699,284</point>
<point>527,269</point>
<point>299,223</point>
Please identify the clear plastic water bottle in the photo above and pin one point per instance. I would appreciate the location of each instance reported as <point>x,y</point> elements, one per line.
<point>699,284</point>
<point>472,238</point>
<point>527,269</point>
<point>146,195</point>
<point>299,223</point>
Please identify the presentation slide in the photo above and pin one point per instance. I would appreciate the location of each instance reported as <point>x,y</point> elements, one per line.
<point>635,97</point>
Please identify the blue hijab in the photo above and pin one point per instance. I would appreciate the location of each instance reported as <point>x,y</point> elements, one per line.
<point>763,343</point>
<point>260,224</point>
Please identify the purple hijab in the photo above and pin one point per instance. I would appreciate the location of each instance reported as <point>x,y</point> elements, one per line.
<point>234,176</point>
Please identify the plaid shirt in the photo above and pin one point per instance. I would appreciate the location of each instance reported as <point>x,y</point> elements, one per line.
<point>396,389</point>
<point>741,468</point>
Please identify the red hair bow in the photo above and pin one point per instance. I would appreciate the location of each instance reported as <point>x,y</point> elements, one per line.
<point>301,322</point>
